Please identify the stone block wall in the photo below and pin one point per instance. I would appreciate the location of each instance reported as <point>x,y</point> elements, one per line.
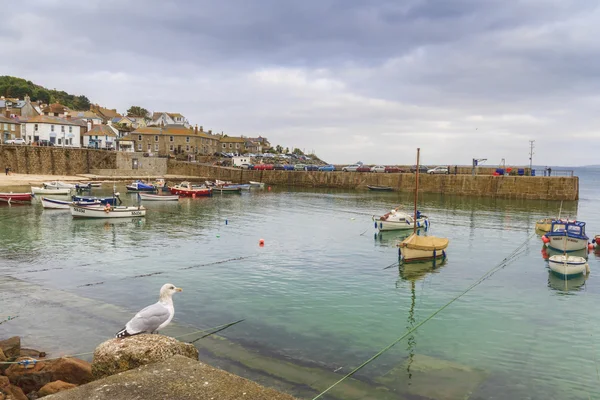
<point>55,160</point>
<point>509,187</point>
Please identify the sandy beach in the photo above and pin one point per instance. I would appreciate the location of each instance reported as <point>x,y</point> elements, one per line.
<point>27,180</point>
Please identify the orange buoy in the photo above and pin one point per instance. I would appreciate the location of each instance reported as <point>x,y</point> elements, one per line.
<point>261,242</point>
<point>590,246</point>
<point>269,188</point>
<point>545,239</point>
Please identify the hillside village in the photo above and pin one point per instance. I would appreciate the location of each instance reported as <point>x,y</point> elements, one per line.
<point>161,134</point>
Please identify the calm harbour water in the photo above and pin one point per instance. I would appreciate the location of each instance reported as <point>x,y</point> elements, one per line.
<point>318,294</point>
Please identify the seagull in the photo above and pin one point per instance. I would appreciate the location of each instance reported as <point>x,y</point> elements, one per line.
<point>154,317</point>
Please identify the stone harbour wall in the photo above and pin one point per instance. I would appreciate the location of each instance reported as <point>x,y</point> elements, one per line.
<point>508,187</point>
<point>55,160</point>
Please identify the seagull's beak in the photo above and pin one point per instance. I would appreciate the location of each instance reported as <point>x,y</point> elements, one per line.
<point>178,289</point>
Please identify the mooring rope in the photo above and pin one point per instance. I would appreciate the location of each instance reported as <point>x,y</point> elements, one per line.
<point>485,276</point>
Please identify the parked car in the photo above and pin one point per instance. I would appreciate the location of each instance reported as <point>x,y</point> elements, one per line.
<point>288,167</point>
<point>327,168</point>
<point>363,168</point>
<point>438,170</point>
<point>390,170</point>
<point>311,167</point>
<point>351,168</point>
<point>15,141</point>
<point>268,155</point>
<point>379,168</point>
<point>45,143</point>
<point>246,166</point>
<point>278,167</point>
<point>422,169</point>
<point>263,167</point>
<point>299,167</point>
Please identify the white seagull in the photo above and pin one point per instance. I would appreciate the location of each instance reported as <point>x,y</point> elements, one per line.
<point>154,317</point>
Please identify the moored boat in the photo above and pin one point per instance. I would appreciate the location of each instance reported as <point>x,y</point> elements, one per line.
<point>568,265</point>
<point>83,186</point>
<point>227,189</point>
<point>11,197</point>
<point>380,188</point>
<point>397,220</point>
<point>566,236</point>
<point>157,197</point>
<point>58,185</point>
<point>544,225</point>
<point>222,183</point>
<point>112,200</point>
<point>256,184</point>
<point>189,190</point>
<point>242,186</point>
<point>106,211</point>
<point>54,191</point>
<point>139,186</point>
<point>64,205</point>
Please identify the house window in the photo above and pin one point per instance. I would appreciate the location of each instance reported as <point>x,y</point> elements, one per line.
<point>223,145</point>
<point>59,141</point>
<point>230,145</point>
<point>12,128</point>
<point>149,147</point>
<point>35,127</point>
<point>156,138</point>
<point>156,147</point>
<point>171,147</point>
<point>70,129</point>
<point>139,137</point>
<point>170,139</point>
<point>5,127</point>
<point>51,128</point>
<point>139,147</point>
<point>187,139</point>
<point>62,129</point>
<point>237,145</point>
<point>187,148</point>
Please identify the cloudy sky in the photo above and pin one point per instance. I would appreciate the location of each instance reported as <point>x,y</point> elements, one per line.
<point>367,80</point>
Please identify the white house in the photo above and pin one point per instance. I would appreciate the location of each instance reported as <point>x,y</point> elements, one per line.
<point>100,137</point>
<point>164,118</point>
<point>55,130</point>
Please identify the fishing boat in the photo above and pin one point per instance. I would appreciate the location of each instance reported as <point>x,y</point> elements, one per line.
<point>380,188</point>
<point>241,186</point>
<point>397,220</point>
<point>83,186</point>
<point>189,190</point>
<point>415,247</point>
<point>222,183</point>
<point>64,205</point>
<point>112,200</point>
<point>260,185</point>
<point>58,185</point>
<point>106,211</point>
<point>15,197</point>
<point>544,225</point>
<point>227,189</point>
<point>157,197</point>
<point>567,265</point>
<point>139,186</point>
<point>566,236</point>
<point>57,192</point>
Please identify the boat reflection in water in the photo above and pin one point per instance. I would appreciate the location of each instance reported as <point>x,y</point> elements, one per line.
<point>564,286</point>
<point>547,252</point>
<point>391,238</point>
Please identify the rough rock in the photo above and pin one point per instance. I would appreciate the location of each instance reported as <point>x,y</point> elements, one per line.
<point>32,395</point>
<point>31,353</point>
<point>11,346</point>
<point>2,356</point>
<point>176,378</point>
<point>71,370</point>
<point>10,392</point>
<point>54,387</point>
<point>118,355</point>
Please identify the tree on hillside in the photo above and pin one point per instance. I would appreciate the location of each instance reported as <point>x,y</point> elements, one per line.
<point>298,152</point>
<point>81,103</point>
<point>287,150</point>
<point>137,111</point>
<point>279,149</point>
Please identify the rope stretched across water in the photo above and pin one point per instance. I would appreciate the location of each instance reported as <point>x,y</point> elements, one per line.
<point>485,276</point>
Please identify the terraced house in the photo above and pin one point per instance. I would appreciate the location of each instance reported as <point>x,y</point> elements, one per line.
<point>233,144</point>
<point>174,140</point>
<point>9,128</point>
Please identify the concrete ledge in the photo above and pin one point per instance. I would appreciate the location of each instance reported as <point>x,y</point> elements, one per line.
<point>177,378</point>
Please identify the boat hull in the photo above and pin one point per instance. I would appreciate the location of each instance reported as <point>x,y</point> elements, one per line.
<point>567,265</point>
<point>257,184</point>
<point>64,205</point>
<point>380,188</point>
<point>544,225</point>
<point>58,185</point>
<point>410,255</point>
<point>103,200</point>
<point>158,197</point>
<point>399,225</point>
<point>15,196</point>
<point>568,244</point>
<point>227,189</point>
<point>57,192</point>
<point>190,192</point>
<point>102,212</point>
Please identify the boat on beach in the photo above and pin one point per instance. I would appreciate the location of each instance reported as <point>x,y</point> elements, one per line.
<point>112,200</point>
<point>54,191</point>
<point>566,236</point>
<point>157,197</point>
<point>186,189</point>
<point>568,265</point>
<point>64,205</point>
<point>397,220</point>
<point>106,211</point>
<point>139,186</point>
<point>15,197</point>
<point>380,188</point>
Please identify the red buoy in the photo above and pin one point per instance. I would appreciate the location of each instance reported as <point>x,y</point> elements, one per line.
<point>261,242</point>
<point>545,239</point>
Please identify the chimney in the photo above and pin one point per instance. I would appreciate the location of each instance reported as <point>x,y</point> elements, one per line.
<point>196,130</point>
<point>201,129</point>
<point>68,116</point>
<point>210,132</point>
<point>7,113</point>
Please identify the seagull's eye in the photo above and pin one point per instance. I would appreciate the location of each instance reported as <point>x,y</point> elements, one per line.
<point>172,287</point>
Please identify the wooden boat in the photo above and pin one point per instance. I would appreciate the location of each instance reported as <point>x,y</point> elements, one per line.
<point>397,220</point>
<point>189,190</point>
<point>566,236</point>
<point>242,186</point>
<point>139,186</point>
<point>157,197</point>
<point>106,211</point>
<point>112,200</point>
<point>567,265</point>
<point>58,185</point>
<point>227,189</point>
<point>415,247</point>
<point>257,184</point>
<point>544,225</point>
<point>64,205</point>
<point>380,188</point>
<point>57,192</point>
<point>15,197</point>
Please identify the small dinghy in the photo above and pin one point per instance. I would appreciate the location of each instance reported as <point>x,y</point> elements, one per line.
<point>58,185</point>
<point>139,186</point>
<point>567,265</point>
<point>64,205</point>
<point>15,197</point>
<point>397,220</point>
<point>157,197</point>
<point>54,191</point>
<point>380,188</point>
<point>227,189</point>
<point>106,211</point>
<point>112,200</point>
<point>544,225</point>
<point>260,185</point>
<point>186,189</point>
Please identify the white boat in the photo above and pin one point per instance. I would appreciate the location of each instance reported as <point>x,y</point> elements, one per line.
<point>58,185</point>
<point>397,220</point>
<point>64,205</point>
<point>567,265</point>
<point>107,211</point>
<point>157,197</point>
<point>222,183</point>
<point>566,236</point>
<point>41,190</point>
<point>257,184</point>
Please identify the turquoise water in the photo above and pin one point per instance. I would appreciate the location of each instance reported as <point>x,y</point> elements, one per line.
<point>325,291</point>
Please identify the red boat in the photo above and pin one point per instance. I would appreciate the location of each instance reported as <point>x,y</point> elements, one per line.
<point>186,189</point>
<point>15,197</point>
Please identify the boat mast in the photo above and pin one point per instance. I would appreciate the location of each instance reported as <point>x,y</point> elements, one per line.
<point>416,191</point>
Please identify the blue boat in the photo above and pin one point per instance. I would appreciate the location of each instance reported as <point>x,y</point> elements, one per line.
<point>113,200</point>
<point>139,186</point>
<point>567,236</point>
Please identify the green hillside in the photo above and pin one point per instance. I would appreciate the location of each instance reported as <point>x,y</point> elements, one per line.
<point>14,87</point>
